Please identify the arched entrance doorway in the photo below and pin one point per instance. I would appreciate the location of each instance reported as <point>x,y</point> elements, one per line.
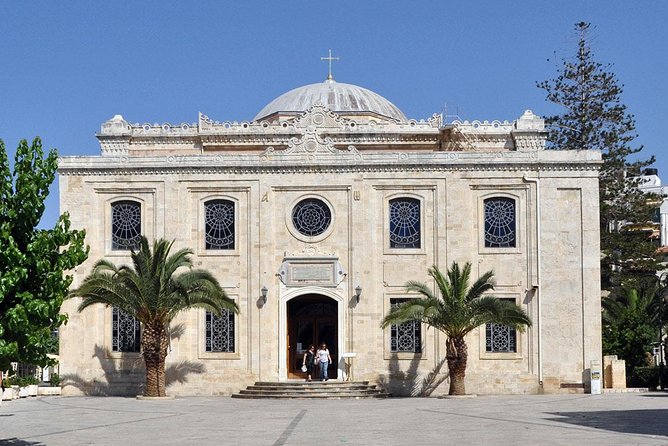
<point>311,319</point>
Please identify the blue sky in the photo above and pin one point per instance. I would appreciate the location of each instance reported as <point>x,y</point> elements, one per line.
<point>66,67</point>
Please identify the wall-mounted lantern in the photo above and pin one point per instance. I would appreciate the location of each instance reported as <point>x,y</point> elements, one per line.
<point>358,293</point>
<point>264,292</point>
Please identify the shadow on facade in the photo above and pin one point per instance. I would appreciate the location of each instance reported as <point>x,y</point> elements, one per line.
<point>125,376</point>
<point>19,442</point>
<point>645,422</point>
<point>409,382</point>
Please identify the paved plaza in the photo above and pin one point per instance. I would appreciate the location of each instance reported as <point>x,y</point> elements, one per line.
<point>611,419</point>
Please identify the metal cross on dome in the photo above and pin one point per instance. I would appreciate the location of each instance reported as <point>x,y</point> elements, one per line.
<point>329,59</point>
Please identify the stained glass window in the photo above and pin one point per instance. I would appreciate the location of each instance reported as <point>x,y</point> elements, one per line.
<point>125,225</point>
<point>219,224</point>
<point>406,337</point>
<point>405,223</point>
<point>219,332</point>
<point>500,229</point>
<point>500,338</point>
<point>125,332</point>
<point>311,217</point>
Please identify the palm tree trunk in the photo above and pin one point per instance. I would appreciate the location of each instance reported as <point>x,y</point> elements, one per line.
<point>457,354</point>
<point>155,341</point>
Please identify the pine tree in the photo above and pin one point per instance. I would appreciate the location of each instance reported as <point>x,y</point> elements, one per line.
<point>594,118</point>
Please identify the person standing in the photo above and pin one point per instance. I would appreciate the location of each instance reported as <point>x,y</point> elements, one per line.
<point>309,361</point>
<point>324,359</point>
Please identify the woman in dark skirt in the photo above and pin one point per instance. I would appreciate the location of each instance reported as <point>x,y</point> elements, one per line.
<point>309,361</point>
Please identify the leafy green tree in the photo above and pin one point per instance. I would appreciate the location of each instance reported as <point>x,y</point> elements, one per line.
<point>154,291</point>
<point>594,117</point>
<point>630,321</point>
<point>457,310</point>
<point>33,262</point>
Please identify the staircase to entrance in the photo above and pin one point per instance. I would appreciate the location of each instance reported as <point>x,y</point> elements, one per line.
<point>332,389</point>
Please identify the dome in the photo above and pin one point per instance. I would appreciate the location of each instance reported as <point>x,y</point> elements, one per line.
<point>338,97</point>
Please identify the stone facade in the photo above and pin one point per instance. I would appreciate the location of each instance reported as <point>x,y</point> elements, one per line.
<point>352,164</point>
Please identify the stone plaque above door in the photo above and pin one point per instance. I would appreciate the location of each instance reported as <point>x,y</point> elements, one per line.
<point>314,271</point>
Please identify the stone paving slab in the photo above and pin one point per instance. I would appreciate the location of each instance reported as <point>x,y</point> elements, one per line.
<point>591,420</point>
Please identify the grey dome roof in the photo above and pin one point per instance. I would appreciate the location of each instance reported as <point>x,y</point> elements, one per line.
<point>338,97</point>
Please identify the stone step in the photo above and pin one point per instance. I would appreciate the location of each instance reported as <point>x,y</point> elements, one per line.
<point>315,389</point>
<point>310,383</point>
<point>311,387</point>
<point>265,391</point>
<point>332,396</point>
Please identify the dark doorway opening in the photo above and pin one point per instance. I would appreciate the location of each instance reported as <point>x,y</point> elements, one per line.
<point>312,319</point>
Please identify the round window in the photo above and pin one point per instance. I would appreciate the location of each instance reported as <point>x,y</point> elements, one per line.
<point>311,217</point>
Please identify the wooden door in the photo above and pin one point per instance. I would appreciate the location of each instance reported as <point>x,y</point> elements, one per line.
<point>312,319</point>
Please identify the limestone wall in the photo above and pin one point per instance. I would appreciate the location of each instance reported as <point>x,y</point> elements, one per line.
<point>552,272</point>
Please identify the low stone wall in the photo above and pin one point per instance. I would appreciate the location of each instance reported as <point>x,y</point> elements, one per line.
<point>614,372</point>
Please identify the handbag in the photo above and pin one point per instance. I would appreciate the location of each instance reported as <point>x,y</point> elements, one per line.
<point>304,368</point>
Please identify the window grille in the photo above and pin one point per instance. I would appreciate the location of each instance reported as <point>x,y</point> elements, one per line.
<point>219,332</point>
<point>125,332</point>
<point>500,223</point>
<point>500,338</point>
<point>219,224</point>
<point>125,225</point>
<point>311,217</point>
<point>405,223</point>
<point>406,337</point>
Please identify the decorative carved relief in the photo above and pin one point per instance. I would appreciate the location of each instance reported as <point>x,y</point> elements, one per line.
<point>319,116</point>
<point>529,142</point>
<point>309,251</point>
<point>114,145</point>
<point>312,125</point>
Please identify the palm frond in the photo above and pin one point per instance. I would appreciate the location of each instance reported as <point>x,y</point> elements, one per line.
<point>484,284</point>
<point>421,288</point>
<point>157,286</point>
<point>460,307</point>
<point>643,302</point>
<point>490,310</point>
<point>411,310</point>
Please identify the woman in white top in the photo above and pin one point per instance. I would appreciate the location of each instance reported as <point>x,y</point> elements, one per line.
<point>324,359</point>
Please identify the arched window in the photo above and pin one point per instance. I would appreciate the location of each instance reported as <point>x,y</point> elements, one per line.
<point>500,225</point>
<point>125,225</point>
<point>405,223</point>
<point>219,222</point>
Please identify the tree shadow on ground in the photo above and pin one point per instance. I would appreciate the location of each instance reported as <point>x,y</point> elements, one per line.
<point>18,442</point>
<point>657,394</point>
<point>123,376</point>
<point>126,375</point>
<point>409,382</point>
<point>431,381</point>
<point>643,421</point>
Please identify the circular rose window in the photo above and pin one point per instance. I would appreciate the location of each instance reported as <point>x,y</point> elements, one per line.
<point>311,217</point>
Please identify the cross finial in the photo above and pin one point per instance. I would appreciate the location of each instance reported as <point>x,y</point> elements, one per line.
<point>329,59</point>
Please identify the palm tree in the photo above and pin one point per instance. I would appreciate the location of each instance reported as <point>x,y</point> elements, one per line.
<point>458,310</point>
<point>154,294</point>
<point>630,321</point>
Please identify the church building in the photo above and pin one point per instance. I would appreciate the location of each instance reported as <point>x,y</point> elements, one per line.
<point>313,216</point>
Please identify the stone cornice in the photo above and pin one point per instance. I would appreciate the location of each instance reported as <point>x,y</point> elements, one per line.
<point>255,170</point>
<point>319,124</point>
<point>334,161</point>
